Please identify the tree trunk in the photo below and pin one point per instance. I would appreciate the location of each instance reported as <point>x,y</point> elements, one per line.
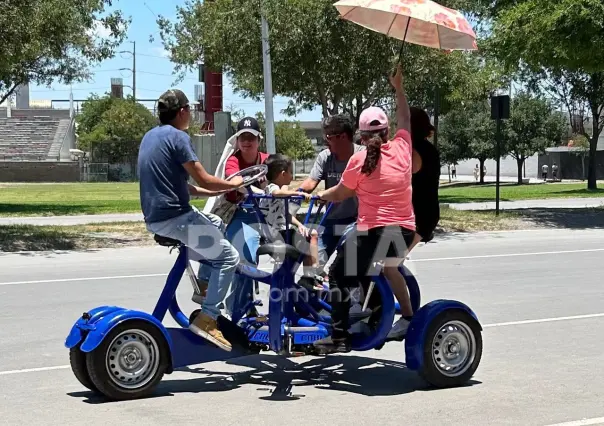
<point>481,165</point>
<point>519,163</point>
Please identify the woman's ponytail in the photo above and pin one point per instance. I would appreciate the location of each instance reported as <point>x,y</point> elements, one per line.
<point>374,151</point>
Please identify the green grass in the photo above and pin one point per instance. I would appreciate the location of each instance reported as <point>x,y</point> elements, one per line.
<point>468,193</point>
<point>71,199</point>
<point>98,198</point>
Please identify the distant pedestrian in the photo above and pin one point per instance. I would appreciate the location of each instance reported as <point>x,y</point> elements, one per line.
<point>544,170</point>
<point>476,172</point>
<point>554,171</point>
<point>453,172</point>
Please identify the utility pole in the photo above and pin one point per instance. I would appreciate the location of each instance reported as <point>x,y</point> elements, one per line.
<point>134,70</point>
<point>268,88</point>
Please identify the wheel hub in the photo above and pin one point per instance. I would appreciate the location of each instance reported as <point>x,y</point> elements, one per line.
<point>453,348</point>
<point>132,359</point>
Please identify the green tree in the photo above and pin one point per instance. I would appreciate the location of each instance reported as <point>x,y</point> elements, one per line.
<point>113,127</point>
<point>194,128</point>
<point>560,38</point>
<point>318,59</point>
<point>55,40</point>
<point>290,139</point>
<point>532,127</point>
<point>468,132</point>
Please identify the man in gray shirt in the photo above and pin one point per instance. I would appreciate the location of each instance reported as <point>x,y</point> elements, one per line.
<point>329,166</point>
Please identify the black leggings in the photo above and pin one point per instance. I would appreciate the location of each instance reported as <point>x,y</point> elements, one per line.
<point>353,265</point>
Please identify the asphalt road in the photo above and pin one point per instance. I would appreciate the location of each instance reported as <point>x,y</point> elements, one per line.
<point>538,293</point>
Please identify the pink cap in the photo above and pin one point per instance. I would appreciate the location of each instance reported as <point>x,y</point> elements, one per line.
<point>370,115</point>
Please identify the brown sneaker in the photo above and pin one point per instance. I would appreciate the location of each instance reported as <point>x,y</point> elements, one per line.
<point>206,327</point>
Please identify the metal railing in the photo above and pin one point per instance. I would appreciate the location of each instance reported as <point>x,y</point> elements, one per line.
<point>67,133</point>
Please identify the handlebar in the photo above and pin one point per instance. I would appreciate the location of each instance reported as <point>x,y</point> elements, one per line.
<point>253,197</point>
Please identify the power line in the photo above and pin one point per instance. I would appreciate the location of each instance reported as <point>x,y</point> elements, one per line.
<point>67,90</point>
<point>166,75</point>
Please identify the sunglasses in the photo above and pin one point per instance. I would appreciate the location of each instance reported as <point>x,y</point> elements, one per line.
<point>333,135</point>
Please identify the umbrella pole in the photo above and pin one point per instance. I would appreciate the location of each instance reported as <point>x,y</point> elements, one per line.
<point>400,54</point>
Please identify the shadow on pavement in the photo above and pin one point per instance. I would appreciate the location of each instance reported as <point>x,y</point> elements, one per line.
<point>583,218</point>
<point>51,240</point>
<point>280,379</point>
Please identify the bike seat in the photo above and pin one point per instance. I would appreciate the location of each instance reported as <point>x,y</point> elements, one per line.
<point>279,251</point>
<point>166,241</point>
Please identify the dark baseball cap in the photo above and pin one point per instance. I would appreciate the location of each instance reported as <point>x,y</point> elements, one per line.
<point>248,125</point>
<point>172,100</point>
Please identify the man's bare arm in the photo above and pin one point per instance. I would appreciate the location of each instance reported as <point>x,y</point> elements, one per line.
<point>207,181</point>
<point>309,185</point>
<point>198,191</point>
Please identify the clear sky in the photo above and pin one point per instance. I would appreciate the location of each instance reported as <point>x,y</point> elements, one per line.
<point>153,68</point>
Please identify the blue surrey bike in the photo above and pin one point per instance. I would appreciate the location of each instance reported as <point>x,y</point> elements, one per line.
<point>123,354</point>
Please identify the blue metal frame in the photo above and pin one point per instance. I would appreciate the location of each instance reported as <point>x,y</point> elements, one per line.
<point>186,348</point>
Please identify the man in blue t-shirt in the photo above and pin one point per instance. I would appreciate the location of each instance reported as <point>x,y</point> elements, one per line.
<point>166,160</point>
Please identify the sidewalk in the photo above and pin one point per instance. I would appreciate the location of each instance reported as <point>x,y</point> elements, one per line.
<point>502,179</point>
<point>551,203</point>
<point>70,220</point>
<point>560,203</point>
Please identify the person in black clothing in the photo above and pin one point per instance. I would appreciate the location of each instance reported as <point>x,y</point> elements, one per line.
<point>425,182</point>
<point>426,177</point>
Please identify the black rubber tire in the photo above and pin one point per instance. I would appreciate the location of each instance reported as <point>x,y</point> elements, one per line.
<point>99,375</point>
<point>429,372</point>
<point>77,360</point>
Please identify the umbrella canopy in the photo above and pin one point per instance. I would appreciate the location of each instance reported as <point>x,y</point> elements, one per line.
<point>422,22</point>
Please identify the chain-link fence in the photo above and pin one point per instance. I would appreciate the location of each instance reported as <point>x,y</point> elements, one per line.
<point>94,172</point>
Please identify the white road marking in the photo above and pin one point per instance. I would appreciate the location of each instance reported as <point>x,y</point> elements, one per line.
<point>33,370</point>
<point>65,280</point>
<point>583,422</point>
<point>501,324</point>
<point>537,321</point>
<point>487,256</point>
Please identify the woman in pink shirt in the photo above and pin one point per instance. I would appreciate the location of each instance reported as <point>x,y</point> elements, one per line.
<point>380,177</point>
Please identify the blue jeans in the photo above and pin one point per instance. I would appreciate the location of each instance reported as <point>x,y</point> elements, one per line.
<point>204,234</point>
<point>330,234</point>
<point>243,234</point>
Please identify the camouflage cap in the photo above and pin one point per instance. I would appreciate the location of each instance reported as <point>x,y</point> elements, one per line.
<point>172,100</point>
